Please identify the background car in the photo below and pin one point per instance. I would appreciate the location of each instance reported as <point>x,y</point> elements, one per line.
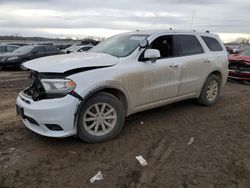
<point>229,50</point>
<point>26,53</point>
<point>77,48</point>
<point>8,48</point>
<point>239,66</point>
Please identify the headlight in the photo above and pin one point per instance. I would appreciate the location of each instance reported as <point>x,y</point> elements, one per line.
<point>58,86</point>
<point>12,58</point>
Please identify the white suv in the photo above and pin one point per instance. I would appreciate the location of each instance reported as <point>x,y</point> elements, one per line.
<point>90,94</point>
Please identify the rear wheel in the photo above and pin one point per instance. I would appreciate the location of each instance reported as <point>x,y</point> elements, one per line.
<point>100,119</point>
<point>210,91</point>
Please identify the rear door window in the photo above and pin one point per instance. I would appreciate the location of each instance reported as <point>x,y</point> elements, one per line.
<point>51,49</point>
<point>212,44</point>
<point>187,45</point>
<point>39,49</point>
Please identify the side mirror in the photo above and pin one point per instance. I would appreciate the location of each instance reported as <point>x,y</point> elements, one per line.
<point>152,54</point>
<point>35,52</point>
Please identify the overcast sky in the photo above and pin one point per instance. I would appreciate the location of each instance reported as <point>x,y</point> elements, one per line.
<point>79,18</point>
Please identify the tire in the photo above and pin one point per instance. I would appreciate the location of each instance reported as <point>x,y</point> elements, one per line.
<point>208,99</point>
<point>93,127</point>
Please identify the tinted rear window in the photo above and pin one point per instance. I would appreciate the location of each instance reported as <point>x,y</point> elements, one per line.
<point>187,45</point>
<point>212,44</point>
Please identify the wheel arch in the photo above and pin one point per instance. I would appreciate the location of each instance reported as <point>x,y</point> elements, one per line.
<point>116,91</point>
<point>216,73</point>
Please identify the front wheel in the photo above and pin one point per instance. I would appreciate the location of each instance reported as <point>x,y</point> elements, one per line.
<point>210,91</point>
<point>100,119</point>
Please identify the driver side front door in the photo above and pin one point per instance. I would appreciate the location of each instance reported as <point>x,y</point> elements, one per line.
<point>161,79</point>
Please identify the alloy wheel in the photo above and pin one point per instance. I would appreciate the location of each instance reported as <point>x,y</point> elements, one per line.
<point>99,119</point>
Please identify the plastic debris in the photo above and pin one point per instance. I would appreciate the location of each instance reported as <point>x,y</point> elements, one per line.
<point>191,141</point>
<point>73,152</point>
<point>97,177</point>
<point>141,160</point>
<point>142,123</point>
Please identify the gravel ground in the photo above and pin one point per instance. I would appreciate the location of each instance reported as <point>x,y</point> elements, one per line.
<point>219,156</point>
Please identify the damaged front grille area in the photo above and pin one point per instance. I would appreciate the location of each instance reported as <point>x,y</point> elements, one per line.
<point>36,90</point>
<point>239,66</point>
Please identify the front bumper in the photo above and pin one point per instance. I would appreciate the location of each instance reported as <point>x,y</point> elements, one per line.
<point>10,64</point>
<point>39,116</point>
<point>239,75</point>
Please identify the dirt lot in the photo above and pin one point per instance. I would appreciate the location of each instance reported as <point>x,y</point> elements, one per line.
<point>219,156</point>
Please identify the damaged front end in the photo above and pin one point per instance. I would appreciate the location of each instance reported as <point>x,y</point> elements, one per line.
<point>36,90</point>
<point>239,69</point>
<point>48,86</point>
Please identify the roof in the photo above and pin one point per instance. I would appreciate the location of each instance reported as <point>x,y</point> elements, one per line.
<point>151,32</point>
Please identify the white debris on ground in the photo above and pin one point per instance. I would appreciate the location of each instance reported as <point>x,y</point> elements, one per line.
<point>142,123</point>
<point>97,177</point>
<point>141,160</point>
<point>191,141</point>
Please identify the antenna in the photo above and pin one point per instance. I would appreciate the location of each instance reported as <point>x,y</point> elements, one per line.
<point>192,21</point>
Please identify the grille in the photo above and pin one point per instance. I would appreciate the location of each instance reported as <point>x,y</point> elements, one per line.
<point>239,66</point>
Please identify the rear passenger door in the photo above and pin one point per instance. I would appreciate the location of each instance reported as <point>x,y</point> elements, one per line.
<point>193,63</point>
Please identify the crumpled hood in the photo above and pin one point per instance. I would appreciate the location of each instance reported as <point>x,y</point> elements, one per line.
<point>64,63</point>
<point>246,59</point>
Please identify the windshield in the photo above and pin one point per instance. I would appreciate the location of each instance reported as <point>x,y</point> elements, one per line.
<point>24,49</point>
<point>120,45</point>
<point>245,53</point>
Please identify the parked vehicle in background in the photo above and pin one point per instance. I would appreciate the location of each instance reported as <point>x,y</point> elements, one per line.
<point>62,46</point>
<point>26,53</point>
<point>7,48</point>
<point>234,49</point>
<point>78,48</point>
<point>229,50</point>
<point>89,41</point>
<point>18,43</point>
<point>90,94</point>
<point>239,66</point>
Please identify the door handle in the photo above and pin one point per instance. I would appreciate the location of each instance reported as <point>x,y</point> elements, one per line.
<point>207,61</point>
<point>174,66</point>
